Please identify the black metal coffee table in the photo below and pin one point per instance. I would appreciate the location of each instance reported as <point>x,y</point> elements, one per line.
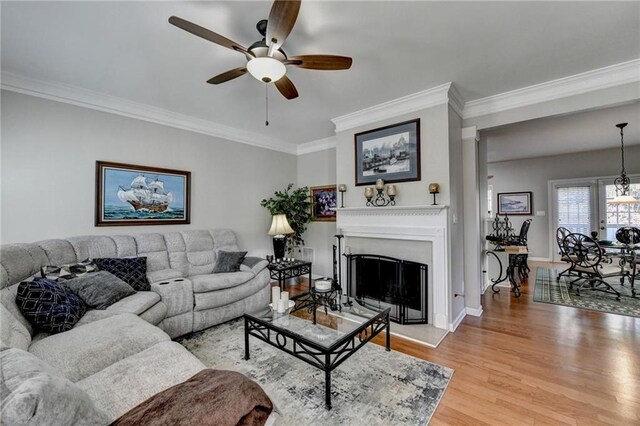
<point>323,347</point>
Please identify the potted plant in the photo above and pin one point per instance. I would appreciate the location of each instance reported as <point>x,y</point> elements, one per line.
<point>296,205</point>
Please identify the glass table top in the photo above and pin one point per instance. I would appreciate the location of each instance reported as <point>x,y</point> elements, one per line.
<point>316,333</point>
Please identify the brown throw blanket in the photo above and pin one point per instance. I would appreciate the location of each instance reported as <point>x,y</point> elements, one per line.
<point>211,397</point>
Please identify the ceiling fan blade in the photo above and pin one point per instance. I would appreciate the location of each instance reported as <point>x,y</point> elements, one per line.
<point>206,34</point>
<point>229,75</point>
<point>320,62</point>
<point>286,87</point>
<point>281,20</point>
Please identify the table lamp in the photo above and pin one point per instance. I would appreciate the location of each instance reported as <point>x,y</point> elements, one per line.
<point>279,228</point>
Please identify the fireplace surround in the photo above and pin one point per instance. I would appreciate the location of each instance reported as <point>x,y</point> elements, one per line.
<point>407,223</point>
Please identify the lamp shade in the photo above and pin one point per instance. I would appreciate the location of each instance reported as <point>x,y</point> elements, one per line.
<point>624,199</point>
<point>280,225</point>
<point>266,69</point>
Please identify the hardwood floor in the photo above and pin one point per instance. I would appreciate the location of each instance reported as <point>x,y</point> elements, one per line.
<point>529,363</point>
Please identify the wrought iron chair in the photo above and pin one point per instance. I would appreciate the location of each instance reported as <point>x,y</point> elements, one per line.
<point>589,262</point>
<point>561,234</point>
<point>521,240</point>
<point>628,235</point>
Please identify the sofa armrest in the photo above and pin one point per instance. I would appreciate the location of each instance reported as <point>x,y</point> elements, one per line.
<point>163,275</point>
<point>177,294</point>
<point>253,264</point>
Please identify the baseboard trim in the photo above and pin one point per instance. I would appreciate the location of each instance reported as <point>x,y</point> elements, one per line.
<point>457,321</point>
<point>474,312</point>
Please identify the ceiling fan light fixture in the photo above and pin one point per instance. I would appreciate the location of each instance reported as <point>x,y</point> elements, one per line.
<point>266,69</point>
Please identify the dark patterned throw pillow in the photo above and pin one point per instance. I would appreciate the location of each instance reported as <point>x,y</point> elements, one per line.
<point>49,306</point>
<point>132,270</point>
<point>67,272</point>
<point>229,261</point>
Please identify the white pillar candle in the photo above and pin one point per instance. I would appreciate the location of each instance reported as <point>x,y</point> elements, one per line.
<point>284,296</point>
<point>275,297</point>
<point>281,307</point>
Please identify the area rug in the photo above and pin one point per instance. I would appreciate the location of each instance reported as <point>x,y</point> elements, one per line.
<point>549,290</point>
<point>372,387</point>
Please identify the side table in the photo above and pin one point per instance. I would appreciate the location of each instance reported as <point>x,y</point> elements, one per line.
<point>282,271</point>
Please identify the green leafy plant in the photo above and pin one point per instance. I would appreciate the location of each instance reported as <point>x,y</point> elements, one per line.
<point>296,204</point>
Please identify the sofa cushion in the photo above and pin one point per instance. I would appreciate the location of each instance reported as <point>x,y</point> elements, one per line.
<point>34,393</point>
<point>163,275</point>
<point>49,306</point>
<point>253,264</point>
<point>225,296</point>
<point>132,270</point>
<point>214,282</point>
<point>229,261</point>
<point>100,289</point>
<point>85,350</point>
<point>125,384</point>
<point>12,333</point>
<point>67,272</point>
<point>155,314</point>
<point>137,303</point>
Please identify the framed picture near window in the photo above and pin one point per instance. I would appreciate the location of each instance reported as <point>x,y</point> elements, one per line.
<point>511,203</point>
<point>127,194</point>
<point>324,201</point>
<point>391,153</point>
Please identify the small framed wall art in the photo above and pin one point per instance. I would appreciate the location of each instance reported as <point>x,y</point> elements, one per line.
<point>324,201</point>
<point>391,153</point>
<point>128,194</point>
<point>514,203</point>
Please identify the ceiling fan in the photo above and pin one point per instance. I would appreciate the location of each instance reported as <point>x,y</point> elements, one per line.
<point>266,61</point>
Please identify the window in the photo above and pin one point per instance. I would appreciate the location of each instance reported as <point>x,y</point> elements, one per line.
<point>574,208</point>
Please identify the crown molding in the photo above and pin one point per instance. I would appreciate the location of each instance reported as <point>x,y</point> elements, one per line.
<point>317,145</point>
<point>407,104</point>
<point>601,78</point>
<point>102,102</point>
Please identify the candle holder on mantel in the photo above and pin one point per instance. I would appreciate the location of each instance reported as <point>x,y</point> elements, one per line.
<point>434,189</point>
<point>380,200</point>
<point>342,188</point>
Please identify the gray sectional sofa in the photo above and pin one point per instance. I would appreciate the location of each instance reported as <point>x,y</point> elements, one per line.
<point>124,354</point>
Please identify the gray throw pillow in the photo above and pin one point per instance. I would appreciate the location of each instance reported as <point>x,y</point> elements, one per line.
<point>33,393</point>
<point>229,261</point>
<point>99,290</point>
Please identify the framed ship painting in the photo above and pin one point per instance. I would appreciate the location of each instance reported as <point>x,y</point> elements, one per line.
<point>391,153</point>
<point>510,203</point>
<point>324,200</point>
<point>127,194</point>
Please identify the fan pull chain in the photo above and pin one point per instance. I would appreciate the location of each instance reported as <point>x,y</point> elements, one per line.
<point>266,98</point>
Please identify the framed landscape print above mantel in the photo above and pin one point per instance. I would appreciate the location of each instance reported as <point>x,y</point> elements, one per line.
<point>518,203</point>
<point>391,153</point>
<point>128,194</point>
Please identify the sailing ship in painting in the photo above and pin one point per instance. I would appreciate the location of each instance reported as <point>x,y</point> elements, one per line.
<point>146,196</point>
<point>387,155</point>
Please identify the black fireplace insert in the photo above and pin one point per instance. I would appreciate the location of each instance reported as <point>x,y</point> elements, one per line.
<point>381,282</point>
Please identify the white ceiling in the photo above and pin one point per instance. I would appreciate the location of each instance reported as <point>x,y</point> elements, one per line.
<point>128,50</point>
<point>586,131</point>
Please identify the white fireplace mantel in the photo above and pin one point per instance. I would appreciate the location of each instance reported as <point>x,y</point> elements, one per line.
<point>415,223</point>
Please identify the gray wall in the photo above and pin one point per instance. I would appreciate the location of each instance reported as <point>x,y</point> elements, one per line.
<point>533,175</point>
<point>49,150</point>
<point>319,169</point>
